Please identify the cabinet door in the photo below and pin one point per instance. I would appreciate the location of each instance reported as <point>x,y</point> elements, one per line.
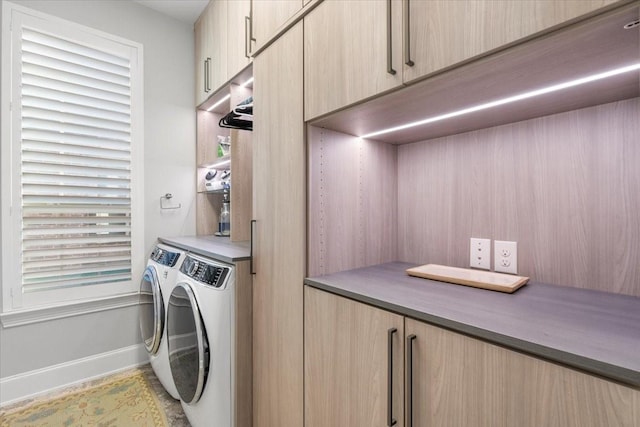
<point>279,233</point>
<point>445,32</point>
<point>238,12</point>
<point>269,15</point>
<point>217,11</point>
<point>347,54</point>
<point>201,29</point>
<point>347,363</point>
<point>463,381</point>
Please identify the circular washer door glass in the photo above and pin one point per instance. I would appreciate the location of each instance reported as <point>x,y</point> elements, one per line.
<point>151,310</point>
<point>187,344</point>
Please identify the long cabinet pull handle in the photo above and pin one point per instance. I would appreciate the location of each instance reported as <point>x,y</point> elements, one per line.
<point>209,76</point>
<point>204,76</point>
<point>207,71</point>
<point>410,340</point>
<point>251,270</point>
<point>247,35</point>
<point>407,33</point>
<point>390,69</point>
<point>390,420</point>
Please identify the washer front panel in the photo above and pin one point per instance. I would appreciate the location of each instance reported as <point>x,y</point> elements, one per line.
<point>188,344</point>
<point>151,310</point>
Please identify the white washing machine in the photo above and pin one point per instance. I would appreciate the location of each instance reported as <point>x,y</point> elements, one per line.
<point>200,328</point>
<point>158,280</point>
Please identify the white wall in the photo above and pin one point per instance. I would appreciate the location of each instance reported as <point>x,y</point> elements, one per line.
<point>169,163</point>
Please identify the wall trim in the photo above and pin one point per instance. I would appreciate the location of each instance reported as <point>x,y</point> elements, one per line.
<point>43,314</point>
<point>41,381</point>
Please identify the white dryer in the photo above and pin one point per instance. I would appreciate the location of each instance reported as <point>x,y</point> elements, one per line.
<point>158,280</point>
<point>200,328</point>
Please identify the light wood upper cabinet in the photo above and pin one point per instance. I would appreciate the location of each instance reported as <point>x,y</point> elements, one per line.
<point>238,45</point>
<point>211,49</point>
<point>269,15</point>
<point>445,32</point>
<point>347,363</point>
<point>217,11</point>
<point>349,44</point>
<point>347,54</point>
<point>203,42</point>
<point>279,246</point>
<point>463,381</point>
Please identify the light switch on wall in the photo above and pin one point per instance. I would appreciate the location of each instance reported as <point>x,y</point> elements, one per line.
<point>480,253</point>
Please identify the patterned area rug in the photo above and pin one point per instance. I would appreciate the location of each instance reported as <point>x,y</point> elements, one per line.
<point>125,401</point>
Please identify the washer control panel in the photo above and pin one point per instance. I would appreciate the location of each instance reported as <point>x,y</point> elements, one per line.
<point>164,257</point>
<point>203,272</point>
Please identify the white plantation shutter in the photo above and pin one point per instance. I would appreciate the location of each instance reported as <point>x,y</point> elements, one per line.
<point>75,171</point>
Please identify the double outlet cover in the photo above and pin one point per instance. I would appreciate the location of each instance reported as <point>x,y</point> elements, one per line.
<point>505,255</point>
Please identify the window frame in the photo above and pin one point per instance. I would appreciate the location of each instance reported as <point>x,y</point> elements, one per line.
<point>10,181</point>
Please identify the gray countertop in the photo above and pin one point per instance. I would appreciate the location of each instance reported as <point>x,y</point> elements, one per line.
<point>594,331</point>
<point>214,247</point>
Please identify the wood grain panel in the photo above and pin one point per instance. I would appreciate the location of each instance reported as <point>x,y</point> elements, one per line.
<point>217,11</point>
<point>207,212</point>
<point>352,203</point>
<point>241,174</point>
<point>346,53</point>
<point>279,205</point>
<point>463,381</point>
<point>207,131</point>
<point>237,10</point>
<point>447,32</point>
<point>565,187</point>
<point>269,15</point>
<point>346,362</point>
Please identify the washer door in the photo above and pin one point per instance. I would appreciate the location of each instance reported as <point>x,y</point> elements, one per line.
<point>151,310</point>
<point>188,344</point>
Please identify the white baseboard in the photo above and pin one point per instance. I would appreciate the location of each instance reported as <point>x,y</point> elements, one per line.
<point>40,381</point>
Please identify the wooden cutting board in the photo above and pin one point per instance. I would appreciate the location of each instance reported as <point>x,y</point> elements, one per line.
<point>464,276</point>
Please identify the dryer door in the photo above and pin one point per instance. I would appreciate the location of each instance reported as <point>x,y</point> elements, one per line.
<point>151,310</point>
<point>188,344</point>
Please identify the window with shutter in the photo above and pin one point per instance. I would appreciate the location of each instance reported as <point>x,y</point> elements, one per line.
<point>74,136</point>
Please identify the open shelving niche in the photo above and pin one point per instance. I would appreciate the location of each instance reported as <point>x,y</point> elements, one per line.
<point>419,194</point>
<point>239,160</point>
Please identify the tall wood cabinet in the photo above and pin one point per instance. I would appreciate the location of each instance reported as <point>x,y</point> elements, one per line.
<point>352,47</point>
<point>279,246</point>
<point>448,378</point>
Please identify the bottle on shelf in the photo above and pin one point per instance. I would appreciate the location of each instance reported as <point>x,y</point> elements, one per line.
<point>224,227</point>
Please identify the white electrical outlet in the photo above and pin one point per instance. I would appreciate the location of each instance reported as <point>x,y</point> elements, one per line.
<point>480,253</point>
<point>505,255</point>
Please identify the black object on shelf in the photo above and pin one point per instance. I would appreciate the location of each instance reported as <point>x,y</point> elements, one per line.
<point>241,117</point>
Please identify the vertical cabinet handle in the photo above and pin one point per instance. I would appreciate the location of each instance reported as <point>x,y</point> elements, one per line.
<point>251,270</point>
<point>390,69</point>
<point>207,78</point>
<point>390,420</point>
<point>410,340</point>
<point>204,75</point>
<point>247,36</point>
<point>407,34</point>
